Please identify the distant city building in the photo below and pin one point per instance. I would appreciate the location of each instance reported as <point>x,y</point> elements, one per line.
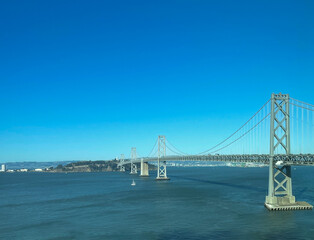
<point>38,170</point>
<point>2,168</point>
<point>23,170</point>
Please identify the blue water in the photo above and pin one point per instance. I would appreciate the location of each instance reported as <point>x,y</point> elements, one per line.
<point>197,203</point>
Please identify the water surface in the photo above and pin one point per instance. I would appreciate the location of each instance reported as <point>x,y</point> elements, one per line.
<point>197,203</point>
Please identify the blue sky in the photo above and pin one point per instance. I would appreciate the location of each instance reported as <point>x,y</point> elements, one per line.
<point>91,79</point>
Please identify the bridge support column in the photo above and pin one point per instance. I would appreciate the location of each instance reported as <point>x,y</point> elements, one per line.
<point>121,163</point>
<point>133,168</point>
<point>144,168</point>
<point>280,183</point>
<point>133,159</point>
<point>162,164</point>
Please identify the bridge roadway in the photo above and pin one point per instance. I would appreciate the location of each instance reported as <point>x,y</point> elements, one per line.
<point>283,159</point>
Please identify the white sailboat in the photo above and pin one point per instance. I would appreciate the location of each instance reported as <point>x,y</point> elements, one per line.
<point>133,183</point>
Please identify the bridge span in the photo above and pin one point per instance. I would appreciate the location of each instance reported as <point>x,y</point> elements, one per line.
<point>280,159</point>
<point>287,120</point>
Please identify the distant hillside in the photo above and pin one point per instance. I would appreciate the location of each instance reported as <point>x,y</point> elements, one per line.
<point>93,166</point>
<point>87,166</point>
<point>72,166</point>
<point>34,165</point>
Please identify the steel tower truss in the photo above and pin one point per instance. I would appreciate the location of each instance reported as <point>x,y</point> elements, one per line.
<point>162,164</point>
<point>133,160</point>
<point>280,184</point>
<point>122,167</point>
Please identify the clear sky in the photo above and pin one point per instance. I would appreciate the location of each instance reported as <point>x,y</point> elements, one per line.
<point>91,79</point>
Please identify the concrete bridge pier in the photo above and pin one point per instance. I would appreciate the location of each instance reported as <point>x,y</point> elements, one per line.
<point>144,168</point>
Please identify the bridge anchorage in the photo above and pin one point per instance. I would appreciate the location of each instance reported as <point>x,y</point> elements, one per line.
<point>280,195</point>
<point>133,160</point>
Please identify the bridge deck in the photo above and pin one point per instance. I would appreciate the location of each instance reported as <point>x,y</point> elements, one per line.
<point>291,159</point>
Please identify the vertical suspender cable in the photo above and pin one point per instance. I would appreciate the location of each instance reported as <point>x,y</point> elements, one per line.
<point>258,136</point>
<point>267,132</point>
<point>264,130</point>
<point>302,131</point>
<point>307,131</point>
<point>253,135</point>
<point>297,129</point>
<point>249,138</point>
<point>292,127</point>
<point>312,126</point>
<point>243,143</point>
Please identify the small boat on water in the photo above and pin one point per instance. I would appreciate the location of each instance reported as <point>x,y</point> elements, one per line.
<point>133,183</point>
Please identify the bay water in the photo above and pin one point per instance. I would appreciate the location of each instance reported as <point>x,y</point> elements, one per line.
<point>197,203</point>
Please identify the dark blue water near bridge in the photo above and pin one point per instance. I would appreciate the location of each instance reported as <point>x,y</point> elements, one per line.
<point>197,203</point>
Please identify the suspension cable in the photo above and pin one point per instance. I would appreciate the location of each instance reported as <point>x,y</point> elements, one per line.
<point>182,153</point>
<point>175,151</point>
<point>235,131</point>
<point>242,134</point>
<point>302,102</point>
<point>302,107</point>
<point>153,148</point>
<point>155,154</point>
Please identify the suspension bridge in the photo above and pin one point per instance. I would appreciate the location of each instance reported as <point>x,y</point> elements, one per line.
<point>280,134</point>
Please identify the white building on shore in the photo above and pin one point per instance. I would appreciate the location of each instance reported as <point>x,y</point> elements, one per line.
<point>2,168</point>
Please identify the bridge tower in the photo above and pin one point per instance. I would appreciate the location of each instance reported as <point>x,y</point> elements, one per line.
<point>162,167</point>
<point>122,167</point>
<point>133,159</point>
<point>280,183</point>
